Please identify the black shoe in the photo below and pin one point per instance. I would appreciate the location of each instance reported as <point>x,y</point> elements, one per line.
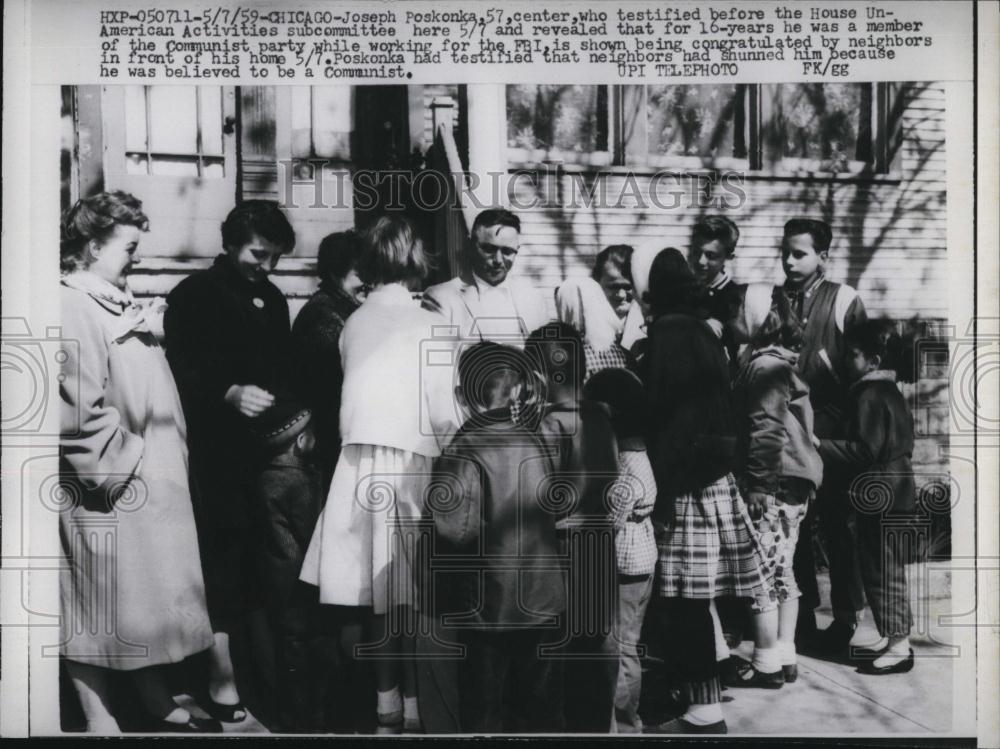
<point>749,677</point>
<point>194,724</point>
<point>902,667</point>
<point>224,713</point>
<point>791,673</point>
<point>679,725</point>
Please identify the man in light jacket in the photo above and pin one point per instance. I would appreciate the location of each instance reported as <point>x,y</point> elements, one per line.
<point>483,301</point>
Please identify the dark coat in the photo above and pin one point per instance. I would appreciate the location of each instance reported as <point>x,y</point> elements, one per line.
<point>216,337</point>
<point>876,455</point>
<point>494,472</point>
<point>319,373</point>
<point>692,430</point>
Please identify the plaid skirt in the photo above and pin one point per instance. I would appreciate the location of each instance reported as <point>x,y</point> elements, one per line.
<point>712,549</point>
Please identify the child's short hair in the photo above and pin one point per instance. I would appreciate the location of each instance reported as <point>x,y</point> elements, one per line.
<point>781,326</point>
<point>338,254</point>
<point>556,349</point>
<point>488,373</point>
<point>392,253</point>
<point>820,231</point>
<point>623,391</point>
<point>712,228</point>
<point>876,338</point>
<point>260,218</point>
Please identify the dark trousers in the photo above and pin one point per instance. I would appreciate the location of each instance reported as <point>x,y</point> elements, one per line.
<point>689,647</point>
<point>590,678</point>
<point>837,520</point>
<point>881,548</point>
<point>499,663</point>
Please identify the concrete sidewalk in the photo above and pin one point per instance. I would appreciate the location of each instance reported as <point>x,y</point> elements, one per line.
<point>832,698</point>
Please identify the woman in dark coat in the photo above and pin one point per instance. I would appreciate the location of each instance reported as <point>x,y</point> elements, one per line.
<point>228,341</point>
<point>709,547</point>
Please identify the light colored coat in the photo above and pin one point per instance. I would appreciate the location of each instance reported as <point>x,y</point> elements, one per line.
<point>458,301</point>
<point>399,375</point>
<point>132,591</point>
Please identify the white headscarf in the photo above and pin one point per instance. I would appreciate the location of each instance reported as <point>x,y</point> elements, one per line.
<point>756,306</point>
<point>580,302</point>
<point>642,262</point>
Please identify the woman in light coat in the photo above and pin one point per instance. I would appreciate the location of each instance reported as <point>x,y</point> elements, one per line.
<point>132,592</point>
<point>397,411</point>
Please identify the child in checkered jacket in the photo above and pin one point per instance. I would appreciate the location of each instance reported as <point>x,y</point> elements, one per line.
<point>632,501</point>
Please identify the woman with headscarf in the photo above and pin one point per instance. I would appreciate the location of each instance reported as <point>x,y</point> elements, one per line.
<point>582,303</point>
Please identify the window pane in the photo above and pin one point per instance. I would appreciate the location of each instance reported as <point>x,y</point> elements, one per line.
<point>301,122</point>
<point>693,120</point>
<point>827,122</point>
<point>331,122</point>
<point>210,119</point>
<point>173,119</point>
<point>567,118</point>
<point>135,118</point>
<point>179,166</point>
<point>213,169</point>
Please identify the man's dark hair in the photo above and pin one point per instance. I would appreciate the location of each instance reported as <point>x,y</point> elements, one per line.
<point>556,349</point>
<point>618,255</point>
<point>712,228</point>
<point>496,217</point>
<point>820,231</point>
<point>338,254</point>
<point>260,218</point>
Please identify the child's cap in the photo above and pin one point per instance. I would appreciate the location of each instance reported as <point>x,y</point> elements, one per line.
<point>279,425</point>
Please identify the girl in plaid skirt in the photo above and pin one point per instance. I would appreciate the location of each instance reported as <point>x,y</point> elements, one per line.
<point>708,547</point>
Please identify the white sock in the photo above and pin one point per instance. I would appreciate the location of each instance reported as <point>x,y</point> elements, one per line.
<point>786,653</point>
<point>390,702</point>
<point>410,709</point>
<point>767,660</point>
<point>721,648</point>
<point>703,715</point>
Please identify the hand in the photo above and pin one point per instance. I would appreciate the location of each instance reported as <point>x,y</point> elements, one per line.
<point>249,400</point>
<point>756,504</point>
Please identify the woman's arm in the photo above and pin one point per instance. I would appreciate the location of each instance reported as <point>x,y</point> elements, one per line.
<point>768,392</point>
<point>100,451</point>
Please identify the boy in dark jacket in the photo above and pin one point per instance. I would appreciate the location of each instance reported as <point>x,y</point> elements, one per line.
<point>287,502</point>
<point>581,440</point>
<point>490,510</point>
<point>875,459</point>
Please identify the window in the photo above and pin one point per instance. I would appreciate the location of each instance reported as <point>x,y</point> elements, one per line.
<point>174,131</point>
<point>321,122</point>
<point>568,123</point>
<point>794,129</point>
<point>817,126</point>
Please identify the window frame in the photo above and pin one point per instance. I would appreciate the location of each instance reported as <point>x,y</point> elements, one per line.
<point>628,143</point>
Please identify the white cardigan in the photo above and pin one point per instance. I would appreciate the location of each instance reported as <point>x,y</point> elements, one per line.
<point>399,375</point>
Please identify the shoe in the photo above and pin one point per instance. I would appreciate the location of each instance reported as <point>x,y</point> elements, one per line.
<point>867,654</point>
<point>901,667</point>
<point>412,726</point>
<point>390,724</point>
<point>748,676</point>
<point>791,673</point>
<point>224,713</point>
<point>194,724</point>
<point>679,725</point>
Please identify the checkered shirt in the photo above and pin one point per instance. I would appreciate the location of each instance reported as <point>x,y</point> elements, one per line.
<point>632,500</point>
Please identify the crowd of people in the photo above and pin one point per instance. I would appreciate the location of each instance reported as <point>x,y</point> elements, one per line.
<point>439,510</point>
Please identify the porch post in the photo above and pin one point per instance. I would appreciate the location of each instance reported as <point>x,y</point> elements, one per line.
<point>487,118</point>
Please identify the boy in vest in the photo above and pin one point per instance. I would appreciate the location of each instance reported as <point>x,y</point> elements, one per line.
<point>827,310</point>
